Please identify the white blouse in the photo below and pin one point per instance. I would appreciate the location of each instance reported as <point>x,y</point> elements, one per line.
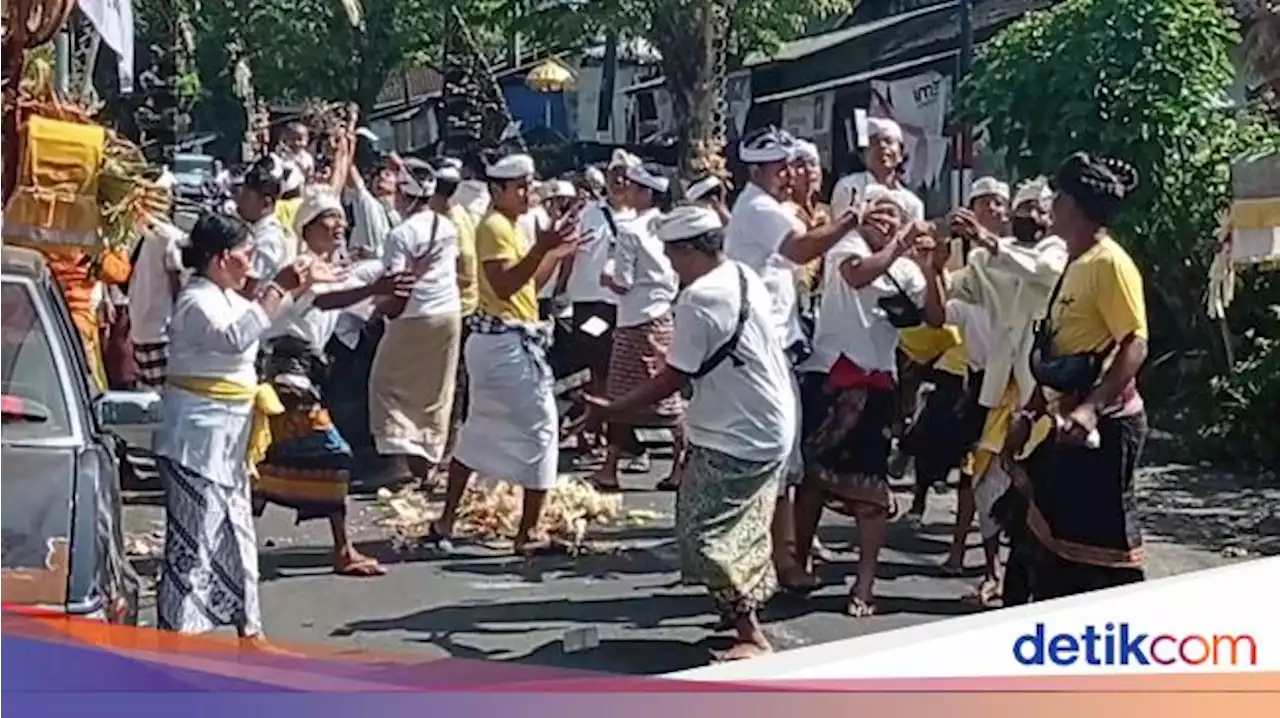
<point>213,334</point>
<point>640,266</point>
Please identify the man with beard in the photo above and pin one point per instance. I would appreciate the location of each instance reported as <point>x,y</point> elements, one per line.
<point>1011,279</point>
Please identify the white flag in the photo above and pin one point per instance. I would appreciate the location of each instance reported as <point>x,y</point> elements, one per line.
<point>113,19</point>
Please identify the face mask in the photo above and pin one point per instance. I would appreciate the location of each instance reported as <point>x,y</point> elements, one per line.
<point>1025,229</point>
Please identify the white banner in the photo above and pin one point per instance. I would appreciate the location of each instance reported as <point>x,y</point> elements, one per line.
<point>919,104</point>
<point>113,19</point>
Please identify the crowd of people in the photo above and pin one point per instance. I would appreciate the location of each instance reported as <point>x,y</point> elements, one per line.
<point>784,342</point>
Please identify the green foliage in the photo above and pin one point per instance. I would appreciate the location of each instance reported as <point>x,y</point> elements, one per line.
<point>757,25</point>
<point>1144,81</point>
<point>308,48</point>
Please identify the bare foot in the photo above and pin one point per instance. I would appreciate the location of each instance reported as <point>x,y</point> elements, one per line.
<point>954,566</point>
<point>354,563</point>
<point>742,650</point>
<point>605,480</point>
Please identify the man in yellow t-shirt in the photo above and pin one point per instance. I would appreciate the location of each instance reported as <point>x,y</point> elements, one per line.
<point>511,431</point>
<point>1101,302</point>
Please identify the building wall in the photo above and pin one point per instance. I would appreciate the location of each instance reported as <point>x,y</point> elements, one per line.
<point>585,97</point>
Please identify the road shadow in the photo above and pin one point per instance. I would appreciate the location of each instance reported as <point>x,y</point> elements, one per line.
<point>445,627</point>
<point>634,657</point>
<point>281,563</point>
<point>786,607</point>
<point>1211,510</point>
<point>640,612</point>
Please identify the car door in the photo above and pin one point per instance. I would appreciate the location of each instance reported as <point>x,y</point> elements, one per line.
<point>42,439</point>
<point>101,576</point>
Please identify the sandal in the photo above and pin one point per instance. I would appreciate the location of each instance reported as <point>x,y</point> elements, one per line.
<point>986,595</point>
<point>590,460</point>
<point>363,567</point>
<point>435,538</point>
<point>637,465</point>
<point>822,553</point>
<point>859,608</point>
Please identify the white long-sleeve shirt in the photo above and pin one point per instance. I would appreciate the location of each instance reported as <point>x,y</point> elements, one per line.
<point>1013,285</point>
<point>214,334</point>
<point>640,266</point>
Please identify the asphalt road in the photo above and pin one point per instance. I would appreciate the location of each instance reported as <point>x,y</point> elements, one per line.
<point>482,603</point>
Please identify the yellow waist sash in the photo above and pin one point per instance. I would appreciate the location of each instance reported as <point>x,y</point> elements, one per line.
<point>266,404</point>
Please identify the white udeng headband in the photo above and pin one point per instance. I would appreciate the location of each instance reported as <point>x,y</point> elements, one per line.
<point>703,187</point>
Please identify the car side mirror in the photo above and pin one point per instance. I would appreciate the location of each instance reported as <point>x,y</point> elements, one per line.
<point>131,415</point>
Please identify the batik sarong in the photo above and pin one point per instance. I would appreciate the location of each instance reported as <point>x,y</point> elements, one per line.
<point>724,508</point>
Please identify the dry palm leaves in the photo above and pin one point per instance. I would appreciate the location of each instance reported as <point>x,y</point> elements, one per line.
<point>493,511</point>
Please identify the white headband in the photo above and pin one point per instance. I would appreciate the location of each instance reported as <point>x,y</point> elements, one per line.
<point>1036,190</point>
<point>647,179</point>
<point>559,188</point>
<point>622,158</point>
<point>687,222</point>
<point>703,187</point>
<point>984,186</point>
<point>315,203</point>
<point>770,146</point>
<point>883,127</point>
<point>511,167</point>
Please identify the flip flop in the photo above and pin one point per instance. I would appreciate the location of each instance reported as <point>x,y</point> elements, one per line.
<point>437,539</point>
<point>637,465</point>
<point>859,608</point>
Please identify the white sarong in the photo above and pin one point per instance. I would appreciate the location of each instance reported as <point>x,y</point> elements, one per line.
<point>511,432</point>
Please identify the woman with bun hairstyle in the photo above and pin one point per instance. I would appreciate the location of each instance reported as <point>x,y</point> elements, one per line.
<point>215,429</point>
<point>1084,429</point>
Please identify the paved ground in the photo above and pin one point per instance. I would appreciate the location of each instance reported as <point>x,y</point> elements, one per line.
<point>482,603</point>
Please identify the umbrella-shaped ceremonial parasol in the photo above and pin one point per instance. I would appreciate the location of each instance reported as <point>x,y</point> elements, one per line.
<point>548,77</point>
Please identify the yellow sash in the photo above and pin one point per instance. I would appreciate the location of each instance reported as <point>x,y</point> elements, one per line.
<point>266,404</point>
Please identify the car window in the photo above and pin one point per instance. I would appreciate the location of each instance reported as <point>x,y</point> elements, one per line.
<point>34,400</point>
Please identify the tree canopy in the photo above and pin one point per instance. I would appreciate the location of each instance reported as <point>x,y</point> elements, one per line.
<point>1146,81</point>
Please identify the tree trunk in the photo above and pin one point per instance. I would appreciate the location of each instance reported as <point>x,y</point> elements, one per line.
<point>693,65</point>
